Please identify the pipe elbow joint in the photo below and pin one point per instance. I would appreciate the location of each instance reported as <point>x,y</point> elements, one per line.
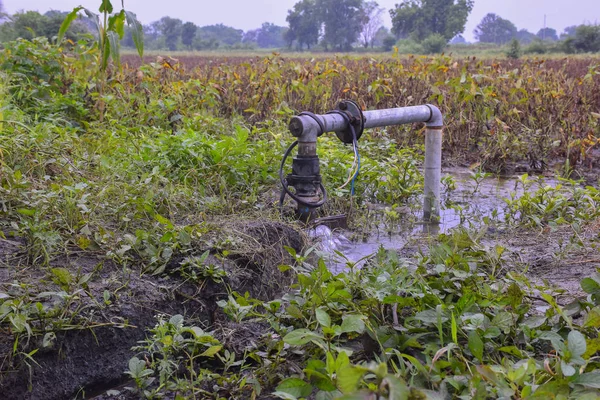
<point>436,120</point>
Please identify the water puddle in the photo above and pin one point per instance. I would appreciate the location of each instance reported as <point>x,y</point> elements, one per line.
<point>469,204</point>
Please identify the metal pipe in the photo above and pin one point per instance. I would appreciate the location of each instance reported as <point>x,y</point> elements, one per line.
<point>307,129</point>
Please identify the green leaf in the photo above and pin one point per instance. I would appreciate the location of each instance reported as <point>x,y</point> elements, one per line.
<point>136,368</point>
<point>64,27</point>
<point>300,337</point>
<point>513,350</point>
<point>567,369</point>
<point>348,378</point>
<point>590,286</point>
<point>295,387</point>
<point>454,330</point>
<point>137,32</point>
<point>504,321</point>
<point>211,351</point>
<point>576,343</point>
<point>397,389</point>
<point>476,345</point>
<point>294,311</point>
<point>105,51</point>
<point>116,23</point>
<point>106,7</point>
<point>163,221</point>
<point>589,380</point>
<point>323,317</point>
<point>26,211</point>
<point>114,43</point>
<point>592,320</point>
<point>353,323</point>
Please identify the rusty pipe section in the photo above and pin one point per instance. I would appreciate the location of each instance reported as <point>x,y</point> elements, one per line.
<point>308,128</point>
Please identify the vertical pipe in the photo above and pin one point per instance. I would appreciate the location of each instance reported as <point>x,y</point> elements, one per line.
<point>433,174</point>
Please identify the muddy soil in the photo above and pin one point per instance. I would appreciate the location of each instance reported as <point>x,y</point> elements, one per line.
<point>91,359</point>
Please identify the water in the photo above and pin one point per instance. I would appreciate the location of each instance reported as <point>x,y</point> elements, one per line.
<point>467,205</point>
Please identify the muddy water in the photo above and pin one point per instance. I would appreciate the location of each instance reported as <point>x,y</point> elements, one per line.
<point>466,205</point>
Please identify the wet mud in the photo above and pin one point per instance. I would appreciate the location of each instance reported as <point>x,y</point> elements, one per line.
<point>89,360</point>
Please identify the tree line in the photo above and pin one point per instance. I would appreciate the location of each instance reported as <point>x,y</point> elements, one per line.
<point>426,26</point>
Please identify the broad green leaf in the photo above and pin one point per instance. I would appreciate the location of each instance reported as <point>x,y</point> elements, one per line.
<point>592,320</point>
<point>514,350</point>
<point>137,32</point>
<point>66,24</point>
<point>430,317</point>
<point>105,51</point>
<point>106,7</point>
<point>322,317</point>
<point>116,23</point>
<point>397,389</point>
<point>163,221</point>
<point>295,387</point>
<point>567,369</point>
<point>294,311</point>
<point>576,343</point>
<point>476,345</point>
<point>348,378</point>
<point>590,286</point>
<point>353,323</point>
<point>211,351</point>
<point>504,321</point>
<point>300,337</point>
<point>342,360</point>
<point>176,320</point>
<point>592,345</point>
<point>114,43</point>
<point>589,380</point>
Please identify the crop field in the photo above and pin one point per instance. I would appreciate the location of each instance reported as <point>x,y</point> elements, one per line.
<point>144,253</point>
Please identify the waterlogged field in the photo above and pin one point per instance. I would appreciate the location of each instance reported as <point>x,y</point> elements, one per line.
<point>144,253</point>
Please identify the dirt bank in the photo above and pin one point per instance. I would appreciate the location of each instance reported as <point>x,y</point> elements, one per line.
<point>101,320</point>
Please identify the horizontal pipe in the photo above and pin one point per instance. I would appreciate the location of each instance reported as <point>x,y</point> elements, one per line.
<point>399,116</point>
<point>306,128</point>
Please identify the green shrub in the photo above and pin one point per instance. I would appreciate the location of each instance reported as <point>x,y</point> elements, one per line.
<point>514,49</point>
<point>434,44</point>
<point>408,46</point>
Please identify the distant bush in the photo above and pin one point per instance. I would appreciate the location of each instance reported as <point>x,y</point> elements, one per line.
<point>434,44</point>
<point>514,49</point>
<point>408,46</point>
<point>388,42</point>
<point>537,47</point>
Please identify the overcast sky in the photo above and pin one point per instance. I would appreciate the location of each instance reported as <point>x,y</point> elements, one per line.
<point>250,14</point>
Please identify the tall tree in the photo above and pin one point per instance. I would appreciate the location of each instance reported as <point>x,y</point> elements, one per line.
<point>422,18</point>
<point>188,32</point>
<point>548,34</point>
<point>221,33</point>
<point>342,22</point>
<point>568,32</point>
<point>270,36</point>
<point>495,29</point>
<point>304,24</point>
<point>524,36</point>
<point>371,21</point>
<point>170,28</point>
<point>585,40</point>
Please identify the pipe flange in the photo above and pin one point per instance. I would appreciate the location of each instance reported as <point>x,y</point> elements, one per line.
<point>356,118</point>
